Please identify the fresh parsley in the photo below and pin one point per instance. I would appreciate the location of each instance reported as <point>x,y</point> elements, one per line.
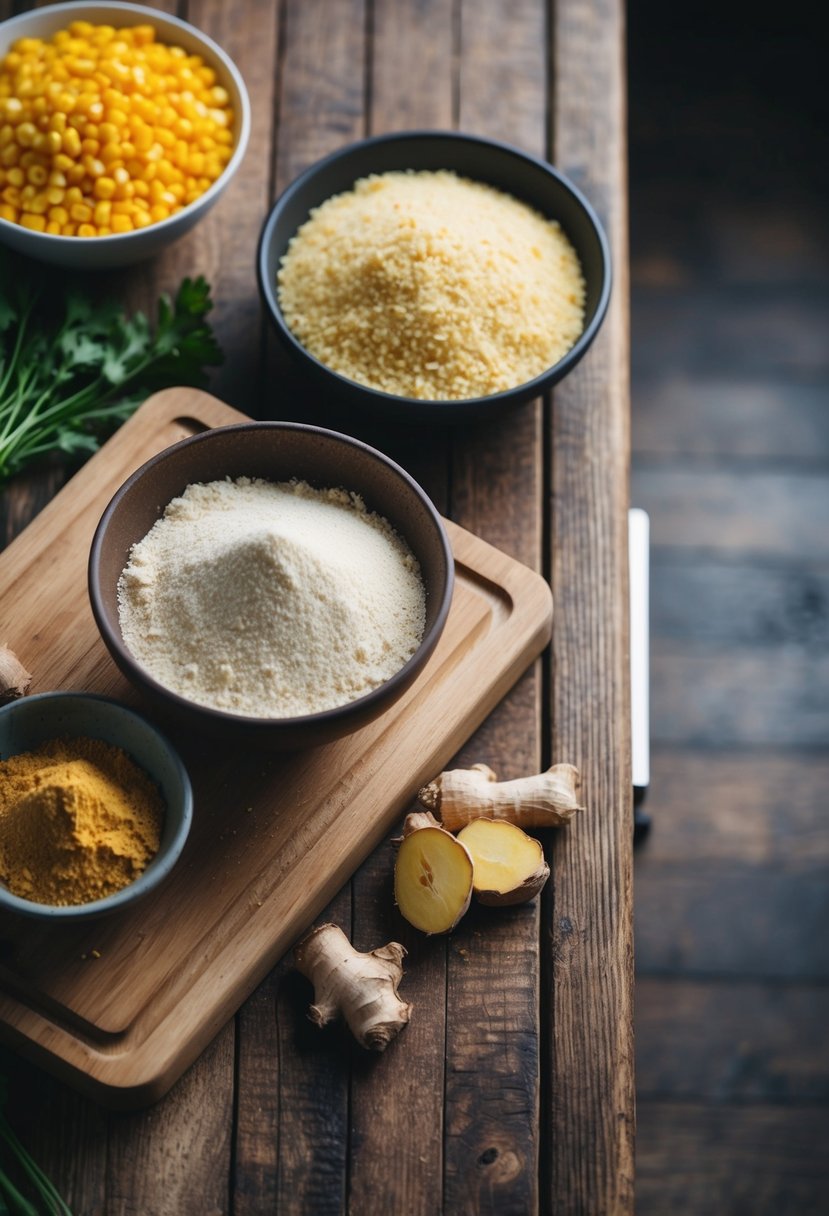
<point>72,370</point>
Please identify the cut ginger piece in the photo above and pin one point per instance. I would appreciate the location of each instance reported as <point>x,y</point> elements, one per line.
<point>432,875</point>
<point>508,865</point>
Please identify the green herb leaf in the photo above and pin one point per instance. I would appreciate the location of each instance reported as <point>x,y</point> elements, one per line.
<point>71,370</point>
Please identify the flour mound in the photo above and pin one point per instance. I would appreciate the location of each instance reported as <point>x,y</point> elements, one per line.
<point>271,599</point>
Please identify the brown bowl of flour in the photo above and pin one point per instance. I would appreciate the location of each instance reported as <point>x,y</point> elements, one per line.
<point>271,579</point>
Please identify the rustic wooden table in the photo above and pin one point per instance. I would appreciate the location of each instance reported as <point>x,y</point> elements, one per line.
<point>512,1089</point>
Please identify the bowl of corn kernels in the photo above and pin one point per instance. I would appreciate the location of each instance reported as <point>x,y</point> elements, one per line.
<point>120,126</point>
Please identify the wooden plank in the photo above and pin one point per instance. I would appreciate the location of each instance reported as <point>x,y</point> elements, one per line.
<point>717,918</point>
<point>65,1132</point>
<point>757,806</point>
<point>589,1140</point>
<point>725,601</point>
<point>149,1171</point>
<point>297,1153</point>
<point>731,1042</point>
<point>396,1108</point>
<point>223,247</point>
<point>492,1047</point>
<point>733,417</point>
<point>755,697</point>
<point>729,329</point>
<point>744,511</point>
<point>763,1160</point>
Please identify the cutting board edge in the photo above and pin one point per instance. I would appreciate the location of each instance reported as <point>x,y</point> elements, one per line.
<point>124,1079</point>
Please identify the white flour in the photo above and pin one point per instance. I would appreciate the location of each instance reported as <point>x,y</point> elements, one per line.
<point>271,599</point>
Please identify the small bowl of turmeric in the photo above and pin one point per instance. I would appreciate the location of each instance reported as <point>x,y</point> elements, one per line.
<point>120,126</point>
<point>95,806</point>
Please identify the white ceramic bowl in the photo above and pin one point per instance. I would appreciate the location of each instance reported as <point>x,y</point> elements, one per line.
<point>122,249</point>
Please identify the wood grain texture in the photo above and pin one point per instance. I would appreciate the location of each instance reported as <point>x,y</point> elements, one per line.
<point>759,805</point>
<point>767,1161</point>
<point>497,487</point>
<point>287,865</point>
<point>750,511</point>
<point>458,1096</point>
<point>754,697</point>
<point>731,1041</point>
<point>730,417</point>
<point>726,918</point>
<point>591,1128</point>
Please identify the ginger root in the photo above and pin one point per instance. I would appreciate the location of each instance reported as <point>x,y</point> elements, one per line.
<point>362,988</point>
<point>461,795</point>
<point>432,875</point>
<point>14,678</point>
<point>508,865</point>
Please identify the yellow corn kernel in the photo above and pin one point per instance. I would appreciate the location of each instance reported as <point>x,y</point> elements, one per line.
<point>102,213</point>
<point>95,115</point>
<point>87,230</point>
<point>71,142</point>
<point>52,227</point>
<point>104,188</point>
<point>38,204</point>
<point>25,134</point>
<point>37,223</point>
<point>48,142</point>
<point>93,166</point>
<point>121,223</point>
<point>112,155</point>
<point>7,212</point>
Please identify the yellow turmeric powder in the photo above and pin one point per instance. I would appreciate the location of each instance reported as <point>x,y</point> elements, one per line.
<point>79,820</point>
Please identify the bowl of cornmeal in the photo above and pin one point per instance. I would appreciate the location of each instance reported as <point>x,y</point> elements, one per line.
<point>434,276</point>
<point>272,579</point>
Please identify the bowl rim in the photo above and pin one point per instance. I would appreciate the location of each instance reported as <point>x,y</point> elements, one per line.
<point>158,867</point>
<point>338,713</point>
<point>243,122</point>
<point>527,388</point>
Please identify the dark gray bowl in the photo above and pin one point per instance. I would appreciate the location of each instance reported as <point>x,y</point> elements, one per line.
<point>275,451</point>
<point>26,723</point>
<point>525,177</point>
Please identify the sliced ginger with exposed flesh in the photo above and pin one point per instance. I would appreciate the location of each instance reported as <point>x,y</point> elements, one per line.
<point>508,865</point>
<point>432,875</point>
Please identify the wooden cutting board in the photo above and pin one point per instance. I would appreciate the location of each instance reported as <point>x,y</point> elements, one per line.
<point>121,1006</point>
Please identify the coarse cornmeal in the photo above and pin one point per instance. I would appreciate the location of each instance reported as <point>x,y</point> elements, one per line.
<point>430,286</point>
